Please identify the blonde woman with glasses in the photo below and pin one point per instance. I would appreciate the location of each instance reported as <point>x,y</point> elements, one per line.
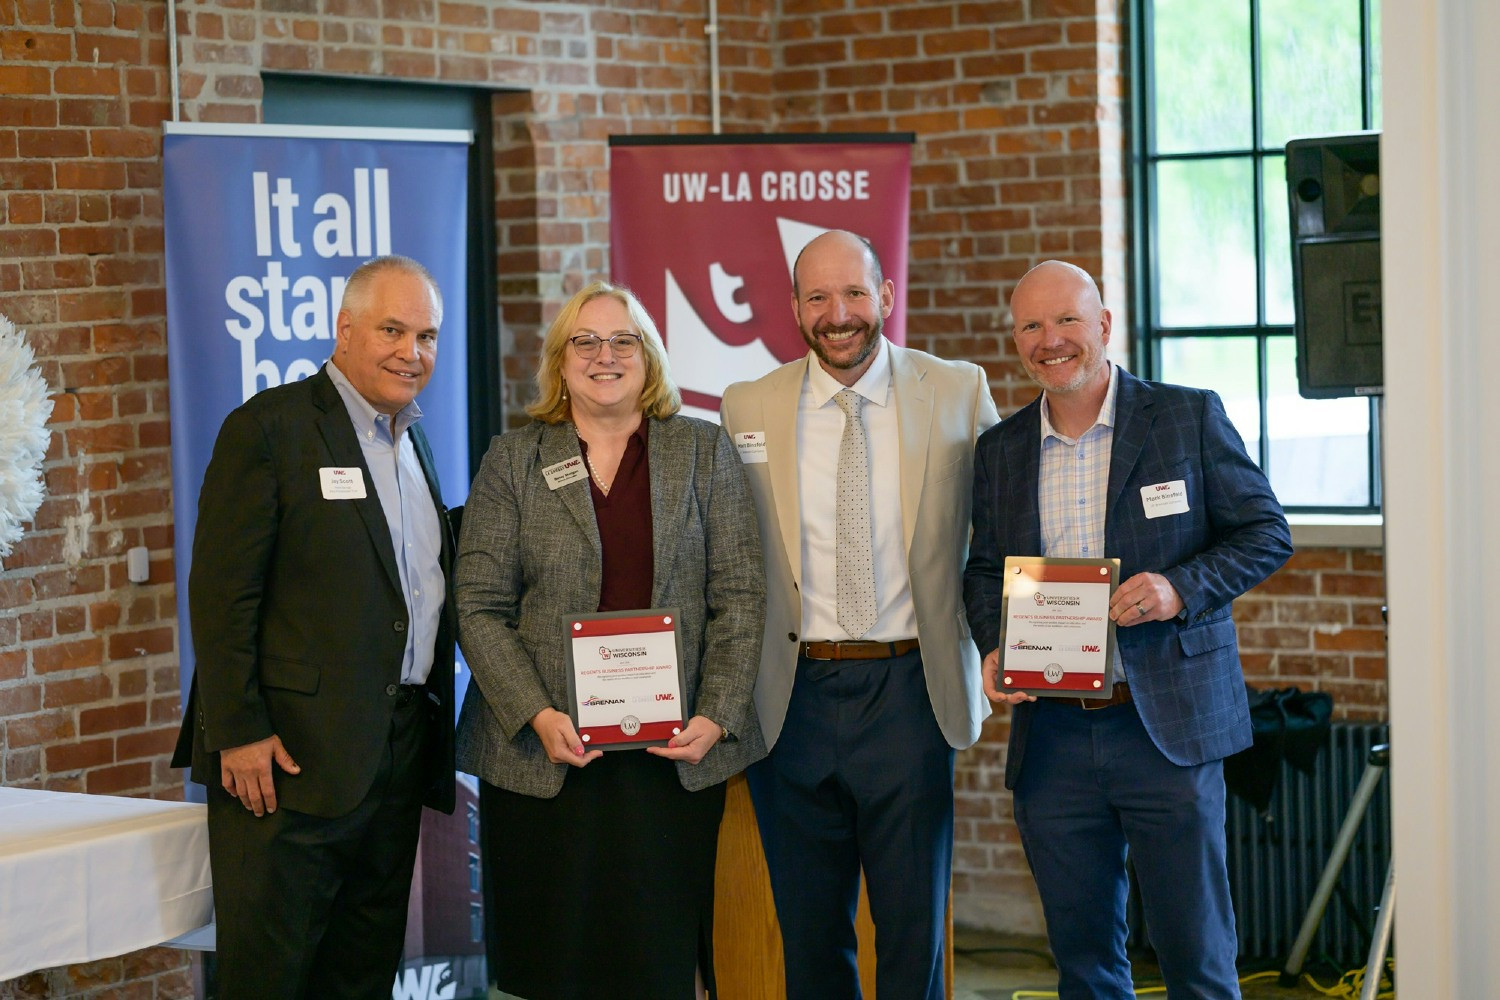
<point>600,866</point>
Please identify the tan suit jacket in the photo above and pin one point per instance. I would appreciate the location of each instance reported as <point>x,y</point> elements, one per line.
<point>942,407</point>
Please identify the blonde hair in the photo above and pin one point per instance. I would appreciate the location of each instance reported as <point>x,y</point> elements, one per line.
<point>659,396</point>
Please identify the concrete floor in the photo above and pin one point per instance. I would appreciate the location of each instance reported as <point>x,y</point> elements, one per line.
<point>989,966</point>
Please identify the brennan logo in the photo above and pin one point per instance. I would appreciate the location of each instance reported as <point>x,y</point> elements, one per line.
<point>1023,644</point>
<point>591,700</point>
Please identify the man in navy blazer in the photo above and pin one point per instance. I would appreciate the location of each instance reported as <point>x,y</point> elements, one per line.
<point>1139,773</point>
<point>321,712</point>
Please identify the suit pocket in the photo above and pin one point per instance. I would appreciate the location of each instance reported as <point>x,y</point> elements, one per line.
<point>1208,636</point>
<point>948,471</point>
<point>289,675</point>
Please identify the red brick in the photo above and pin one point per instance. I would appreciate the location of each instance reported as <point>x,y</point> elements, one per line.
<point>74,654</point>
<point>147,642</point>
<point>76,691</point>
<point>78,756</point>
<point>111,718</point>
<point>12,661</point>
<point>1350,584</point>
<point>1351,639</point>
<point>153,742</point>
<point>42,728</point>
<point>117,780</point>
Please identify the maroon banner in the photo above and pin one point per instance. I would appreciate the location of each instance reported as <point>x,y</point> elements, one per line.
<point>705,229</point>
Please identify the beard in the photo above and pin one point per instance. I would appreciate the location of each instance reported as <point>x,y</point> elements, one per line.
<point>1089,366</point>
<point>853,352</point>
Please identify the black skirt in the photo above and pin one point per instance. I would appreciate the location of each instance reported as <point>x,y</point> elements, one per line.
<point>606,890</point>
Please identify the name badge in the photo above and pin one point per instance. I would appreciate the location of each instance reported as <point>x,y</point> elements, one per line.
<point>343,484</point>
<point>1165,498</point>
<point>569,470</point>
<point>752,446</point>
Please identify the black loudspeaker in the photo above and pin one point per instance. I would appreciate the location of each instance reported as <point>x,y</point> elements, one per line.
<point>1333,185</point>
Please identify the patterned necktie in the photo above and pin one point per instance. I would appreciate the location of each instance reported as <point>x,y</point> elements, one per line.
<point>855,563</point>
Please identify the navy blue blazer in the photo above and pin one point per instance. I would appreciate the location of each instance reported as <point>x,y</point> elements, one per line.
<point>1184,674</point>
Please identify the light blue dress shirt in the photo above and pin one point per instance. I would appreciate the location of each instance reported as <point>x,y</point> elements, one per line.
<point>411,515</point>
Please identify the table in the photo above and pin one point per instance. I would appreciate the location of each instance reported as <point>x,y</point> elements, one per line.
<point>85,877</point>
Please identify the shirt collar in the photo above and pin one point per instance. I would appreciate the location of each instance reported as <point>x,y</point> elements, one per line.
<point>1106,415</point>
<point>874,384</point>
<point>365,416</point>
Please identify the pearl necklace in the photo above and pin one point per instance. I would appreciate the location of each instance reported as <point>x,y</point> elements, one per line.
<point>598,479</point>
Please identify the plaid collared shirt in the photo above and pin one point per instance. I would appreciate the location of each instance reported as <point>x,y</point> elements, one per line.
<point>1072,486</point>
<point>1073,482</point>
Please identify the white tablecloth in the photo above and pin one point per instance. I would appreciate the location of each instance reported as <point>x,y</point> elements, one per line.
<point>85,877</point>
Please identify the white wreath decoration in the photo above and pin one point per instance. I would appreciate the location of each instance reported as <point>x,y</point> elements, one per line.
<point>24,409</point>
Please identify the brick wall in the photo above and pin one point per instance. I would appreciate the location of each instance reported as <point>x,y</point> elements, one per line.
<point>1016,105</point>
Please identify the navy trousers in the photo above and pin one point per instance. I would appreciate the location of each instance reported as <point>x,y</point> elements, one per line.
<point>1092,789</point>
<point>860,778</point>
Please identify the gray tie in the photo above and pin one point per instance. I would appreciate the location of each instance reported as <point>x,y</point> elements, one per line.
<point>856,567</point>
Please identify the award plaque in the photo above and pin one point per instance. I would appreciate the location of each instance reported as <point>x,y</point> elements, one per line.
<point>1056,637</point>
<point>625,678</point>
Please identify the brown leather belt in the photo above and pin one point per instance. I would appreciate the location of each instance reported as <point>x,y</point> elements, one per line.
<point>857,650</point>
<point>1119,696</point>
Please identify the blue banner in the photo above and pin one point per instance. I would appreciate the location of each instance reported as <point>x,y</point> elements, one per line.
<point>263,226</point>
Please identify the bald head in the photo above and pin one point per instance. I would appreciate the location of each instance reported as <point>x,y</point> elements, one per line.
<point>1060,328</point>
<point>1057,276</point>
<point>840,243</point>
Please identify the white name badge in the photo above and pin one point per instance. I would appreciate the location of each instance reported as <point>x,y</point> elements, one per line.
<point>752,446</point>
<point>343,484</point>
<point>1165,498</point>
<point>569,470</point>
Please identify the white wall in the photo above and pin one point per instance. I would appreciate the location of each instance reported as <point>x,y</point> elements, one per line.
<point>1441,274</point>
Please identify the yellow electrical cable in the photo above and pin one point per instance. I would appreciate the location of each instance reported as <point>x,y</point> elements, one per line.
<point>1347,986</point>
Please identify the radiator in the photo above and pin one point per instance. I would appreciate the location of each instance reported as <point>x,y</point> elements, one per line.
<point>1275,861</point>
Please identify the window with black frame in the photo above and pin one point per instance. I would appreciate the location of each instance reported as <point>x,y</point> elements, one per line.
<point>1223,84</point>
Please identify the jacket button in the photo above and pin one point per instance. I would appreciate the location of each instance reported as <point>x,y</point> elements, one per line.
<point>792,636</point>
<point>399,626</point>
<point>391,689</point>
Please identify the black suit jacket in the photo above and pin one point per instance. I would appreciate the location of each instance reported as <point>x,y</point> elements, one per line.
<point>298,621</point>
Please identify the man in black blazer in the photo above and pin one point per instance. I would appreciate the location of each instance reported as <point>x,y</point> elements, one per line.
<point>321,712</point>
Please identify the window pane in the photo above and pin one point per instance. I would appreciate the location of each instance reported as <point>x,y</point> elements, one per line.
<point>1227,365</point>
<point>1319,447</point>
<point>1279,310</point>
<point>1310,69</point>
<point>1202,74</point>
<point>1375,63</point>
<point>1205,240</point>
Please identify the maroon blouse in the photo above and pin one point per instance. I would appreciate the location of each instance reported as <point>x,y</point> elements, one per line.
<point>624,519</point>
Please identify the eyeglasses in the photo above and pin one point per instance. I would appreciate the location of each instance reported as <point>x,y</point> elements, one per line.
<point>621,345</point>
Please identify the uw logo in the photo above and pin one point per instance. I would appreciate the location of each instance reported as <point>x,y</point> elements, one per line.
<point>665,697</point>
<point>1090,649</point>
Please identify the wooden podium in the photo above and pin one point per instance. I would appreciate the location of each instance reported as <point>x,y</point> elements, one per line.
<point>747,940</point>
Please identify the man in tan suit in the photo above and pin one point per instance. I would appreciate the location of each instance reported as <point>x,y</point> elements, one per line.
<point>860,459</point>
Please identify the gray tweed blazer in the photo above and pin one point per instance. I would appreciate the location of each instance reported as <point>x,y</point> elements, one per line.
<point>529,555</point>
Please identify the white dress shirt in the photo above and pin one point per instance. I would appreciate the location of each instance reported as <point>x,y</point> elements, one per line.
<point>820,429</point>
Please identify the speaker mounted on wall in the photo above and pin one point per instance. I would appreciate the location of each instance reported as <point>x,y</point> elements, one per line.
<point>1333,187</point>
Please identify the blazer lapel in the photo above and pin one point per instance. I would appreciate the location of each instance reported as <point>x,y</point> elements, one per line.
<point>779,411</point>
<point>914,400</point>
<point>558,443</point>
<point>669,488</point>
<point>1023,459</point>
<point>1133,417</point>
<point>344,451</point>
